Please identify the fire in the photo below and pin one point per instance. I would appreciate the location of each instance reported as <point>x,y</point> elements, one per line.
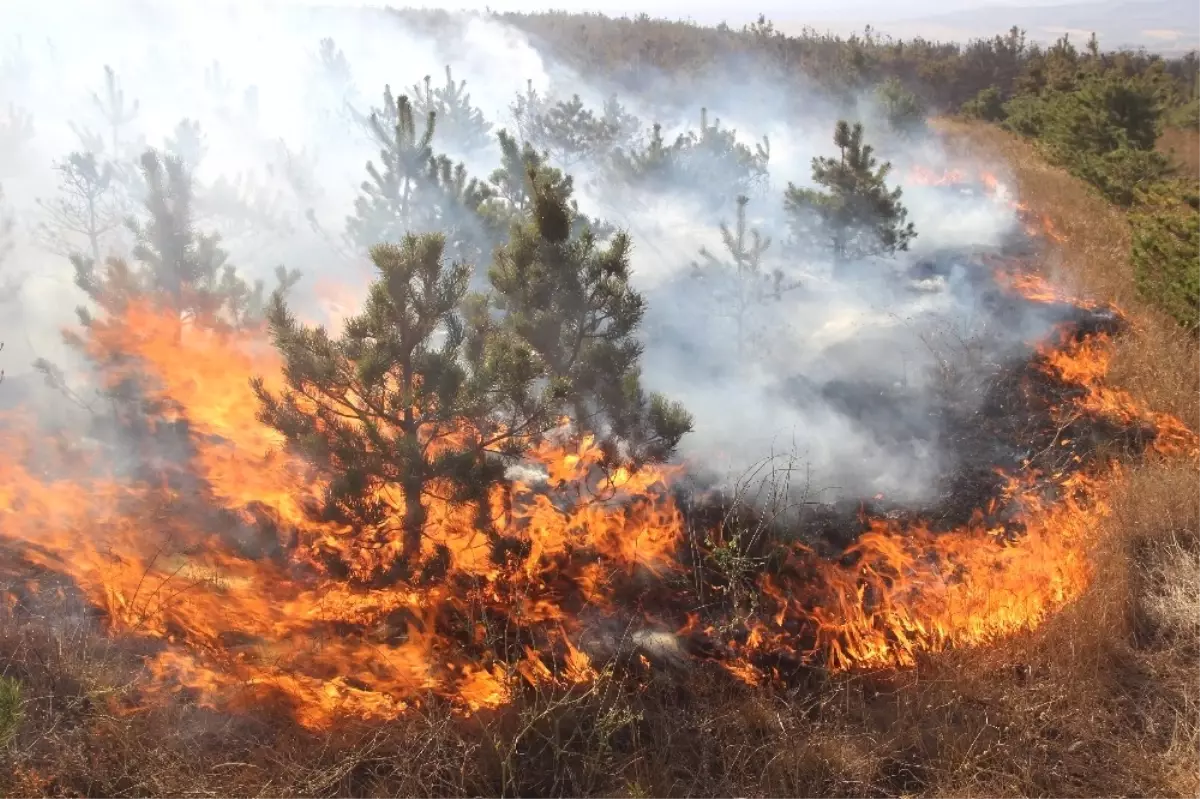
<point>165,558</point>
<point>1041,226</point>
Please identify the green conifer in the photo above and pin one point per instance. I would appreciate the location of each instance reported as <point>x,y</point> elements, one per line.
<point>569,297</point>
<point>857,216</point>
<point>420,392</point>
<point>741,284</point>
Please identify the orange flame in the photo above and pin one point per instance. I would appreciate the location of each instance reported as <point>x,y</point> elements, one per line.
<point>238,630</point>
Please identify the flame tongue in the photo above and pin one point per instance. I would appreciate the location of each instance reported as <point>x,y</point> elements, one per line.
<point>237,626</point>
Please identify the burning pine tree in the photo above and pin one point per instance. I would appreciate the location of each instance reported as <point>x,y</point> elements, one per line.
<point>420,396</point>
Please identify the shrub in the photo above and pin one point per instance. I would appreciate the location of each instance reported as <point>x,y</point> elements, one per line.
<point>904,111</point>
<point>988,105</point>
<point>1121,174</point>
<point>1184,116</point>
<point>1104,133</point>
<point>1166,255</point>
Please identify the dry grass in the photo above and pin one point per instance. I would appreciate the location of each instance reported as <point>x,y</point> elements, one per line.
<point>1102,700</point>
<point>1150,569</point>
<point>1183,145</point>
<point>1159,362</point>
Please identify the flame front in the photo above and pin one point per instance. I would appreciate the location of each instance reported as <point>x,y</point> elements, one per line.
<point>161,558</point>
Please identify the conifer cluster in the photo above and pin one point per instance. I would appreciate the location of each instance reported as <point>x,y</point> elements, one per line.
<point>499,310</point>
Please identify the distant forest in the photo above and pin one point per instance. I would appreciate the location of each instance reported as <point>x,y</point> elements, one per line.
<point>945,76</point>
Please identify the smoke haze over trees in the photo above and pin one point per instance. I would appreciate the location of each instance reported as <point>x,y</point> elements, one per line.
<point>652,150</point>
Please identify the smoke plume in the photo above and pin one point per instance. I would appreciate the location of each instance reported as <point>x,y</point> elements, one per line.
<point>263,100</point>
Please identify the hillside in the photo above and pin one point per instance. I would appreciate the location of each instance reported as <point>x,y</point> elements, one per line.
<point>675,411</point>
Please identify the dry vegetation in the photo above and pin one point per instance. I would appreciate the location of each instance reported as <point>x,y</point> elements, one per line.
<point>1182,144</point>
<point>1102,700</point>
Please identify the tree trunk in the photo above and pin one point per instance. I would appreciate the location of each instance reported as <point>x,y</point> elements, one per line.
<point>839,256</point>
<point>414,521</point>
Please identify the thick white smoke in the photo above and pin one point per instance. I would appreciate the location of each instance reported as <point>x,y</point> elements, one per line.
<point>273,117</point>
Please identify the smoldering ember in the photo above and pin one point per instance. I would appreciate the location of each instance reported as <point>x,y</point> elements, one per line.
<point>401,381</point>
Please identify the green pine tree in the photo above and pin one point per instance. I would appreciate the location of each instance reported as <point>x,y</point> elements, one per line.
<point>569,132</point>
<point>177,268</point>
<point>622,126</point>
<point>177,271</point>
<point>569,297</point>
<point>857,215</point>
<point>461,125</point>
<point>511,199</point>
<point>421,392</point>
<point>903,110</point>
<point>86,210</point>
<point>117,115</point>
<point>651,164</point>
<point>709,164</point>
<point>741,285</point>
<point>414,190</point>
<point>117,144</point>
<point>16,132</point>
<point>332,82</point>
<point>10,280</point>
<point>187,143</point>
<point>527,110</point>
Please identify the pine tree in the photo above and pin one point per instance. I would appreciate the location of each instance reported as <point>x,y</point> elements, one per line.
<point>461,125</point>
<point>741,285</point>
<point>570,299</point>
<point>413,190</point>
<point>903,110</point>
<point>178,272</point>
<point>117,115</point>
<point>858,216</point>
<point>10,281</point>
<point>418,394</point>
<point>511,199</point>
<point>709,164</point>
<point>188,144</point>
<point>632,172</point>
<point>650,163</point>
<point>332,81</point>
<point>117,147</point>
<point>622,126</point>
<point>85,211</point>
<point>570,132</point>
<point>718,163</point>
<point>178,269</point>
<point>527,110</point>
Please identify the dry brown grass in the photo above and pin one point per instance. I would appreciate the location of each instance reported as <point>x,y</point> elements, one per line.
<point>1159,363</point>
<point>1102,700</point>
<point>1183,145</point>
<point>1149,567</point>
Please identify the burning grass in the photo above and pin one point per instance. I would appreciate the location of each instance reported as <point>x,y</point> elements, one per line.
<point>186,630</point>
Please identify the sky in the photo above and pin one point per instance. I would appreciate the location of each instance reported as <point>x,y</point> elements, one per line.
<point>712,11</point>
<point>1165,28</point>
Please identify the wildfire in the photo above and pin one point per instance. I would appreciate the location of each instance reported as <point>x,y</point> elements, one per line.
<point>1035,226</point>
<point>166,557</point>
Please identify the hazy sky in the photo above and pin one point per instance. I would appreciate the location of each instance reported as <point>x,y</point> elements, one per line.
<point>717,10</point>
